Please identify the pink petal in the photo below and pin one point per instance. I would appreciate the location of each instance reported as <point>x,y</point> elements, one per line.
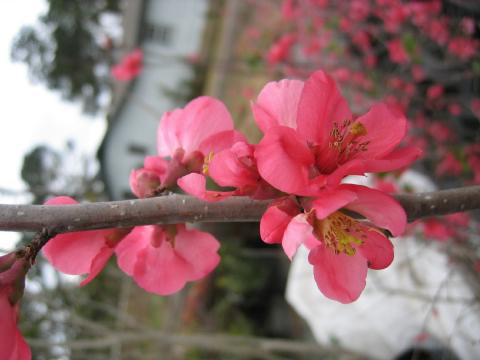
<point>277,104</point>
<point>276,219</point>
<point>61,200</point>
<point>144,182</point>
<point>8,327</point>
<point>155,163</point>
<point>220,141</point>
<point>199,249</point>
<point>160,270</point>
<point>195,185</point>
<point>382,209</point>
<point>298,232</point>
<point>98,264</point>
<point>329,201</point>
<point>187,128</point>
<point>284,160</point>
<point>377,249</point>
<point>395,160</point>
<point>227,169</point>
<point>385,126</point>
<point>339,277</point>
<point>320,105</point>
<point>73,253</point>
<point>128,249</point>
<point>21,350</point>
<point>168,133</point>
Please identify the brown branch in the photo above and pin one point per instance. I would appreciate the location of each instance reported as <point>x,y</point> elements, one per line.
<point>172,209</point>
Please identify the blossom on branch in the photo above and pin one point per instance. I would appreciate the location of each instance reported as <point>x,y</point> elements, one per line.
<point>161,259</point>
<point>341,247</point>
<point>81,252</point>
<point>312,140</point>
<point>190,137</point>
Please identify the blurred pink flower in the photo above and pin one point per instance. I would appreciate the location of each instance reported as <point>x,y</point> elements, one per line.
<point>463,48</point>
<point>449,166</point>
<point>434,92</point>
<point>397,52</point>
<point>130,66</point>
<point>455,109</point>
<point>280,50</point>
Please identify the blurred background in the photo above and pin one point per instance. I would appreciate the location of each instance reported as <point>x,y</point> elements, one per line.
<point>71,128</point>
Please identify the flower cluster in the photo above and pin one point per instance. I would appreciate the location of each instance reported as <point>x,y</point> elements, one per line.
<point>389,47</point>
<point>311,142</point>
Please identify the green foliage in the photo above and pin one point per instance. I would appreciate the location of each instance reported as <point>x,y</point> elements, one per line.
<point>40,168</point>
<point>65,51</point>
<point>409,42</point>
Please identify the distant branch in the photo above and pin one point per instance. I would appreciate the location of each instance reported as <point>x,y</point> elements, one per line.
<point>180,208</point>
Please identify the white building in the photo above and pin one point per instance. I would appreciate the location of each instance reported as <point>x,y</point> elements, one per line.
<point>168,32</point>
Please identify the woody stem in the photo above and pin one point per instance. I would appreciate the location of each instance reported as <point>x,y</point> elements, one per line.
<point>173,209</point>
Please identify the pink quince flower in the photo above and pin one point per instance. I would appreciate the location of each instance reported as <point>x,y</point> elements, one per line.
<point>233,167</point>
<point>341,247</point>
<point>145,181</point>
<point>280,50</point>
<point>312,140</point>
<point>463,48</point>
<point>192,135</point>
<point>161,259</point>
<point>449,165</point>
<point>447,227</point>
<point>397,52</point>
<point>81,252</point>
<point>130,66</point>
<point>289,10</point>
<point>12,277</point>
<point>434,92</point>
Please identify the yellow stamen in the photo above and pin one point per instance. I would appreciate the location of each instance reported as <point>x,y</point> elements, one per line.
<point>336,232</point>
<point>358,129</point>
<point>206,163</point>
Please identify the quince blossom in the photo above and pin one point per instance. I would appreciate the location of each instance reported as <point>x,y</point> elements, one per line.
<point>161,259</point>
<point>341,247</point>
<point>191,136</point>
<point>312,141</point>
<point>81,252</point>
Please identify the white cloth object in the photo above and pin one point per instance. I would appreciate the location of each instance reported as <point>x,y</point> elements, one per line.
<point>420,293</point>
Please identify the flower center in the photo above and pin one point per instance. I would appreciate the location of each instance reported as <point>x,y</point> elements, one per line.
<point>345,138</point>
<point>206,163</point>
<point>338,232</point>
<point>344,143</point>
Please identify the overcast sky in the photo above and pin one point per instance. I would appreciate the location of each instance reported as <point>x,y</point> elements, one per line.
<point>30,114</point>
